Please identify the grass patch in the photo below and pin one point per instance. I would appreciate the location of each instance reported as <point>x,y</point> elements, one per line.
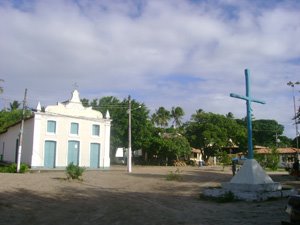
<point>174,176</point>
<point>12,168</point>
<point>227,197</point>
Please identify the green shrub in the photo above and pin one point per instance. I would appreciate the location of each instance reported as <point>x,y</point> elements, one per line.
<point>74,171</point>
<point>273,159</point>
<point>224,159</point>
<point>12,168</point>
<point>174,175</point>
<point>270,161</point>
<point>2,169</point>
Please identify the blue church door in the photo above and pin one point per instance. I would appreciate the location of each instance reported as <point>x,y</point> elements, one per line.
<point>94,155</point>
<point>49,154</point>
<point>73,152</point>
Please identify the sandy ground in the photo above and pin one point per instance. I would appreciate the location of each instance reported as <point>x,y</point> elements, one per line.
<point>142,197</point>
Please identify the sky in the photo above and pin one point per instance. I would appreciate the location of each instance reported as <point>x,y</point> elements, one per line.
<point>187,53</point>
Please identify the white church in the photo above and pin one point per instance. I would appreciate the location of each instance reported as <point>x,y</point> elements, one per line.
<point>61,134</point>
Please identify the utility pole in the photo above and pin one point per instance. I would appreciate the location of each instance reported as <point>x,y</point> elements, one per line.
<point>21,133</point>
<point>276,139</point>
<point>292,84</point>
<point>129,136</point>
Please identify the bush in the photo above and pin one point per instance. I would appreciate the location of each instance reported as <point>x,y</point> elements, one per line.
<point>12,168</point>
<point>74,171</point>
<point>273,159</point>
<point>224,159</point>
<point>270,161</point>
<point>174,176</point>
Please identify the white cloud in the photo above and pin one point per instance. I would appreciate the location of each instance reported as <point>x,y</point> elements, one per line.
<point>123,47</point>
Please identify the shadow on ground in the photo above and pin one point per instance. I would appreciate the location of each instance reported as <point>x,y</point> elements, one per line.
<point>103,206</point>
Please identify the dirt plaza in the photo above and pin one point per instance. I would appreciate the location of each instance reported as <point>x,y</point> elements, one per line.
<point>144,196</point>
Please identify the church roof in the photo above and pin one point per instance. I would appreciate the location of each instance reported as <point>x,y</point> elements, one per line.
<point>74,107</point>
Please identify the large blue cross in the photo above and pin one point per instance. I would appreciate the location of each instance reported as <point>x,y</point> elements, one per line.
<point>248,100</point>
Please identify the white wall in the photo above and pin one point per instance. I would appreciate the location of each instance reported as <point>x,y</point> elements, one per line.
<point>9,139</point>
<point>62,136</point>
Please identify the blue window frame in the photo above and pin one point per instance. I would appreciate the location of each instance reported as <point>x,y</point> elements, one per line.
<point>96,130</point>
<point>74,128</point>
<point>51,126</point>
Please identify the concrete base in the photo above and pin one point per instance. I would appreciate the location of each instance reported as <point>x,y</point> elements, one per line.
<point>275,186</point>
<point>249,195</point>
<point>251,183</point>
<point>251,173</point>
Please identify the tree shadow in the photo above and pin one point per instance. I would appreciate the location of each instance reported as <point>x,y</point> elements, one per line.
<point>190,176</point>
<point>93,206</point>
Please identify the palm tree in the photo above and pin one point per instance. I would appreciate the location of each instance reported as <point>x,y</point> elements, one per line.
<point>161,117</point>
<point>297,117</point>
<point>1,88</point>
<point>14,105</point>
<point>230,115</point>
<point>177,114</point>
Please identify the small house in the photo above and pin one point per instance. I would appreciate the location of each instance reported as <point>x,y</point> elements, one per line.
<point>286,155</point>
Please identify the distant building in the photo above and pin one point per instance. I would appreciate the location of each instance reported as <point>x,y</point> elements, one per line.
<point>286,155</point>
<point>196,156</point>
<point>63,133</point>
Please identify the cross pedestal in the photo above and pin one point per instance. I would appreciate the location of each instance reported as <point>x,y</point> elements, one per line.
<point>251,183</point>
<point>251,178</point>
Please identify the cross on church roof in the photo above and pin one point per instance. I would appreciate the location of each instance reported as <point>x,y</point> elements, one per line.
<point>75,86</point>
<point>248,100</point>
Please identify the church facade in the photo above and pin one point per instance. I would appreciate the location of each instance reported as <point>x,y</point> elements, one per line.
<point>61,134</point>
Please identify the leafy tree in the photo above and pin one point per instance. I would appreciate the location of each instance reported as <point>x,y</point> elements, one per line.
<point>264,132</point>
<point>230,115</point>
<point>95,103</point>
<point>297,117</point>
<point>119,126</point>
<point>14,105</point>
<point>283,141</point>
<point>168,147</point>
<point>273,159</point>
<point>297,138</point>
<point>161,117</point>
<point>140,125</point>
<point>117,112</point>
<point>177,113</point>
<point>85,102</point>
<point>11,117</point>
<point>210,132</point>
<point>261,159</point>
<point>270,160</point>
<point>224,158</point>
<point>294,141</point>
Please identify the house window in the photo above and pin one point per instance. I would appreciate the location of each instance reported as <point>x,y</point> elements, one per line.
<point>51,126</point>
<point>96,130</point>
<point>74,128</point>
